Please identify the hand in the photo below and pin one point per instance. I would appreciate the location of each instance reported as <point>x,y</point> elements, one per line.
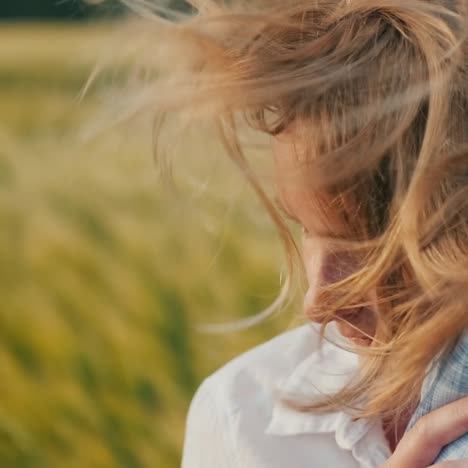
<point>420,446</point>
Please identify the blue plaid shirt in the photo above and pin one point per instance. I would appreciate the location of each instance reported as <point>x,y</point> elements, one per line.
<point>447,382</point>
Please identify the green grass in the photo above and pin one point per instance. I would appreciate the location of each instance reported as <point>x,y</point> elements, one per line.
<point>104,274</point>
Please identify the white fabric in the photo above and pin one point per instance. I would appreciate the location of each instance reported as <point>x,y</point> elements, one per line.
<point>237,420</point>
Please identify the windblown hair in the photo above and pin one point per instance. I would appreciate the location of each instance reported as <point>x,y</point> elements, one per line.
<point>378,89</point>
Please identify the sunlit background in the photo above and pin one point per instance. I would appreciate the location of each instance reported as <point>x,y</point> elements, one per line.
<point>104,273</point>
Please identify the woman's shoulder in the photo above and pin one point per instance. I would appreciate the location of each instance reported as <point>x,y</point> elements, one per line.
<point>236,416</point>
<point>259,371</point>
<point>267,364</point>
<point>232,408</point>
<point>238,398</point>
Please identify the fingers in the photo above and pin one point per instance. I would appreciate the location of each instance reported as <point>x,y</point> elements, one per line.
<point>421,445</point>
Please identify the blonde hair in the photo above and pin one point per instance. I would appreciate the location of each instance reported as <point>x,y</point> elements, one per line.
<point>379,88</point>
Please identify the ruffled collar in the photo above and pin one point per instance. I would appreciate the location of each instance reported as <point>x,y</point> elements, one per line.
<point>327,371</point>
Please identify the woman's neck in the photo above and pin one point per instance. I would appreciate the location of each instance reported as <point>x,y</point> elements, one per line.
<point>395,429</point>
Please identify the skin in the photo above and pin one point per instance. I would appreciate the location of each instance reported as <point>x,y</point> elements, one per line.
<point>421,445</point>
<point>296,201</point>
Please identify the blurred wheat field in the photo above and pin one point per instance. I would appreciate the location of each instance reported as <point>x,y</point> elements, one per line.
<point>103,276</point>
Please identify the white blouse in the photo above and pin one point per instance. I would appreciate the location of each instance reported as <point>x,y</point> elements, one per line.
<point>237,420</point>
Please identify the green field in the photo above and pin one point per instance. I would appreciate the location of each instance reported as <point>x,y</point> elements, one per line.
<point>105,274</point>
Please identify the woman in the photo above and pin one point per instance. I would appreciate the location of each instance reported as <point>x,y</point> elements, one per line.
<point>366,105</point>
